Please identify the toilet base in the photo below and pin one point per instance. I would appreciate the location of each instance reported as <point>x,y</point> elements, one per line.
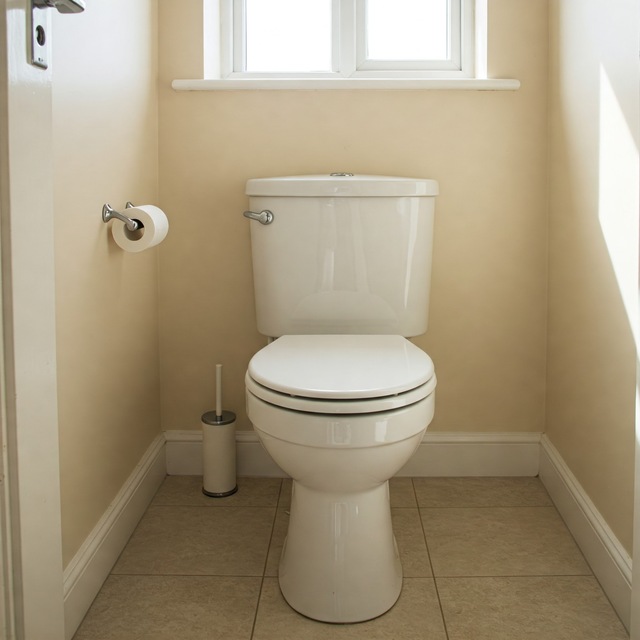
<point>340,560</point>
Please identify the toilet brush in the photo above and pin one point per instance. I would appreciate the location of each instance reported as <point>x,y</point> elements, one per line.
<point>219,448</point>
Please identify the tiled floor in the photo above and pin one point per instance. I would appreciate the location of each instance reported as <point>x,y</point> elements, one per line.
<point>483,558</point>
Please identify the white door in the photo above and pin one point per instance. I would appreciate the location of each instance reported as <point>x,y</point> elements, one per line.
<point>32,585</point>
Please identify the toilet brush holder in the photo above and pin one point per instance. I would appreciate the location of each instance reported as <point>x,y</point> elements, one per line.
<point>219,454</point>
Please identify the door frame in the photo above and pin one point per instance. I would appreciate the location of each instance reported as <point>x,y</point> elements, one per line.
<point>30,511</point>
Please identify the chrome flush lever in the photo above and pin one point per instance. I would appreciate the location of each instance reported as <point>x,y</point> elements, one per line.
<point>264,217</point>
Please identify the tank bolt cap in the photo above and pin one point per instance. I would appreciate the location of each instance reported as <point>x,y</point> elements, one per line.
<point>341,175</point>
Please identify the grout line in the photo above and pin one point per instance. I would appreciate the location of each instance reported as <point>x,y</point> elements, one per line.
<point>263,575</point>
<point>518,575</point>
<point>415,494</point>
<point>187,575</point>
<point>212,508</point>
<point>266,561</point>
<point>433,575</point>
<point>494,506</point>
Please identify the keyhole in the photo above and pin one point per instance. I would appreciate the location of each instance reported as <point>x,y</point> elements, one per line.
<point>41,36</point>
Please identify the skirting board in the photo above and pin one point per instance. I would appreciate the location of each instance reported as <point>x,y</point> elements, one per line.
<point>90,567</point>
<point>608,559</point>
<point>439,454</point>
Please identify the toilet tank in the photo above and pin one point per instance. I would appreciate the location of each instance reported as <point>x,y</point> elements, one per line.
<point>344,254</point>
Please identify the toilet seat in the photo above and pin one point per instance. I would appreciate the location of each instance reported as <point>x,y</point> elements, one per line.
<point>344,374</point>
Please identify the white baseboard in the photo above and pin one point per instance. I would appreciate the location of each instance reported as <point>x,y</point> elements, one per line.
<point>608,559</point>
<point>443,454</point>
<point>90,567</point>
<point>439,454</point>
<point>184,455</point>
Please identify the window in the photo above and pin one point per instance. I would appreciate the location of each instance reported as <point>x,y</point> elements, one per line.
<point>345,44</point>
<point>347,39</point>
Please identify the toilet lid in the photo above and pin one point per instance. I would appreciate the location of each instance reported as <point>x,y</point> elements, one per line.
<point>341,366</point>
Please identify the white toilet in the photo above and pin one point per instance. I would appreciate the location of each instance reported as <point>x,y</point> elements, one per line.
<point>341,399</point>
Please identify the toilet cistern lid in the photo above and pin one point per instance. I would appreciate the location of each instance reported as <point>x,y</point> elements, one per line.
<point>341,366</point>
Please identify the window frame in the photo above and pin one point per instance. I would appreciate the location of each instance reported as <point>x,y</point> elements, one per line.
<point>348,48</point>
<point>455,38</point>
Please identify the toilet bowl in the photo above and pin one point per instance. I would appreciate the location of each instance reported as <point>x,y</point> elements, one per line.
<point>340,414</point>
<point>341,399</point>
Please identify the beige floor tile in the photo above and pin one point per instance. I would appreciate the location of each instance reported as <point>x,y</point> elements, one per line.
<point>407,529</point>
<point>168,608</point>
<point>285,493</point>
<point>415,616</point>
<point>537,584</point>
<point>187,491</point>
<point>500,542</point>
<point>199,541</point>
<point>401,493</point>
<point>533,608</point>
<point>277,541</point>
<point>481,492</point>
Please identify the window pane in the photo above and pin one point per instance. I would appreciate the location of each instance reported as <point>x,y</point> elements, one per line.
<point>288,35</point>
<point>407,29</point>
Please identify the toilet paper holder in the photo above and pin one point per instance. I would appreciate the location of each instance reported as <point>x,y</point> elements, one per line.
<point>108,212</point>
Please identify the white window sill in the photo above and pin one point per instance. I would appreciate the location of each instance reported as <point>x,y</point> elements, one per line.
<point>247,84</point>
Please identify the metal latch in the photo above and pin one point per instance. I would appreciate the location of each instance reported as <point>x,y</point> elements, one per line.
<point>41,27</point>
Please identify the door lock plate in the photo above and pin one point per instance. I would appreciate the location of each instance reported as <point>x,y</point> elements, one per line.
<point>40,32</point>
<point>40,24</point>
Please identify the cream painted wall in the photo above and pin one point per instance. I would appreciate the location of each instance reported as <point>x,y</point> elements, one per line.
<point>486,149</point>
<point>105,150</point>
<point>489,152</point>
<point>594,120</point>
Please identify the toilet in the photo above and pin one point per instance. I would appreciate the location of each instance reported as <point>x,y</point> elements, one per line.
<point>340,398</point>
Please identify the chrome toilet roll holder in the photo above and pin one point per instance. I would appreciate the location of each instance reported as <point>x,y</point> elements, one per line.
<point>108,212</point>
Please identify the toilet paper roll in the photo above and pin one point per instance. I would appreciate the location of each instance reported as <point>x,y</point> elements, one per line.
<point>154,229</point>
